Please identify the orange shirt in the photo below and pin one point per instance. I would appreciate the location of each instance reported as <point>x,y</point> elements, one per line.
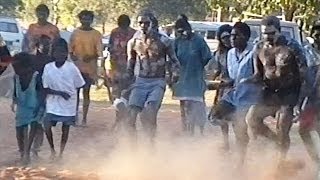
<point>36,30</point>
<point>87,47</point>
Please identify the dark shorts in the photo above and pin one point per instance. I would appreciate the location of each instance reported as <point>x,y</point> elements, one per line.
<point>281,97</point>
<point>88,80</point>
<point>54,119</point>
<point>222,110</point>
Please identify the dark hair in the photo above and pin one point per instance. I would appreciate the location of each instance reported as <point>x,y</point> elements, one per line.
<point>222,29</point>
<point>271,21</point>
<point>182,23</point>
<point>244,29</point>
<point>60,42</point>
<point>22,59</point>
<point>146,12</point>
<point>183,16</point>
<point>86,13</point>
<point>151,16</point>
<point>124,20</point>
<point>42,8</point>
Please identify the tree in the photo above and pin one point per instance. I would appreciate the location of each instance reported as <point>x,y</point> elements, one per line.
<point>8,7</point>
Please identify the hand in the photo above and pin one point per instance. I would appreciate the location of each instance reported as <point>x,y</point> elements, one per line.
<point>174,78</point>
<point>13,107</point>
<point>213,86</point>
<point>296,110</point>
<point>244,80</point>
<point>65,96</point>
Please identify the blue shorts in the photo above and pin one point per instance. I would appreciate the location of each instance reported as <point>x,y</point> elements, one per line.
<point>146,90</point>
<point>52,119</point>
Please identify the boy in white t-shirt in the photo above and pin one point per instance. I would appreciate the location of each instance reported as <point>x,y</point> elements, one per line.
<point>61,79</point>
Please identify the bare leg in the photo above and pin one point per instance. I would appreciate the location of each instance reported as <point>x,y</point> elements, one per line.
<point>183,115</point>
<point>86,103</point>
<point>310,146</point>
<point>189,117</point>
<point>255,117</point>
<point>225,134</point>
<point>32,133</point>
<point>38,139</point>
<point>131,123</point>
<point>283,128</point>
<point>64,138</point>
<point>20,132</point>
<point>78,103</point>
<point>242,138</point>
<point>149,120</point>
<point>49,135</point>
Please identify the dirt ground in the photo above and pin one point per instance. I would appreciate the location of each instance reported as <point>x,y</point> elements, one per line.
<point>95,150</point>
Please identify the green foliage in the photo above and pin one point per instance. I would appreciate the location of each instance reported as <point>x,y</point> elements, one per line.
<point>107,11</point>
<point>64,11</point>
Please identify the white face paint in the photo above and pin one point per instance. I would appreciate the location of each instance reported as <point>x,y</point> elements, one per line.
<point>269,33</point>
<point>145,24</point>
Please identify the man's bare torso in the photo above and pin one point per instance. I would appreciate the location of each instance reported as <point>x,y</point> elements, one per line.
<point>151,53</point>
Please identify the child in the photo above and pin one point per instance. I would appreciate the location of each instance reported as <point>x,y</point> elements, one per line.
<point>41,58</point>
<point>61,79</point>
<point>27,102</point>
<point>85,50</point>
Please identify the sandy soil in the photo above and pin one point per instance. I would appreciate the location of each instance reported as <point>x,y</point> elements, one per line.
<point>96,153</point>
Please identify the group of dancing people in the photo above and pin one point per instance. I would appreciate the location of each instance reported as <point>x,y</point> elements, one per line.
<point>274,77</point>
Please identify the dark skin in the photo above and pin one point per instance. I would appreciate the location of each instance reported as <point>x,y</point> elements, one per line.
<point>86,22</point>
<point>42,17</point>
<point>150,49</point>
<point>60,55</point>
<point>25,139</point>
<point>238,41</point>
<point>277,69</point>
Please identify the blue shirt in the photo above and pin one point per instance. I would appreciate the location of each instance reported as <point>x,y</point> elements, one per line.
<point>240,66</point>
<point>193,55</point>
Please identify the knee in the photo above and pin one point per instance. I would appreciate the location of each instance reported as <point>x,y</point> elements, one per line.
<point>132,114</point>
<point>286,111</point>
<point>252,117</point>
<point>151,108</point>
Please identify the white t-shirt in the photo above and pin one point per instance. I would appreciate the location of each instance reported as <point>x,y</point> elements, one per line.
<point>67,78</point>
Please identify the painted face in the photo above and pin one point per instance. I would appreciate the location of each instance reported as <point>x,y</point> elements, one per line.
<point>42,16</point>
<point>237,39</point>
<point>86,21</point>
<point>269,33</point>
<point>144,23</point>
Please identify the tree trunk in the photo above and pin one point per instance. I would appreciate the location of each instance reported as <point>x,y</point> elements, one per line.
<point>290,9</point>
<point>103,27</point>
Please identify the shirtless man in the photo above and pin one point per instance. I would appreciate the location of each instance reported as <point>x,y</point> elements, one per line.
<point>278,68</point>
<point>150,48</point>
